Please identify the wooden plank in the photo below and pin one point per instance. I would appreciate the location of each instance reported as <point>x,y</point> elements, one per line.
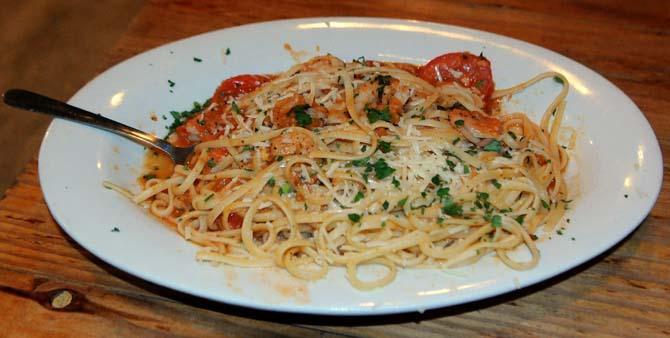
<point>624,292</point>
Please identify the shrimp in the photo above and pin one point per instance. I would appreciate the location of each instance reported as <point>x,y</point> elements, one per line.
<point>397,96</point>
<point>475,126</point>
<point>282,109</point>
<point>337,112</point>
<point>367,96</point>
<point>291,142</point>
<point>283,113</point>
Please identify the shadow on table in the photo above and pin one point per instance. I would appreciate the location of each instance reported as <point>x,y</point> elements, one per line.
<point>343,320</point>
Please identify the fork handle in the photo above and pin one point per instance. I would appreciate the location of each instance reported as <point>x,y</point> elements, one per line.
<point>34,102</point>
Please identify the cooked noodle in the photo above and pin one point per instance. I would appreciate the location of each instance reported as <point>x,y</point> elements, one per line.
<point>320,168</point>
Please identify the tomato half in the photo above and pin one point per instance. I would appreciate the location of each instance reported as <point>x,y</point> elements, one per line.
<point>469,70</point>
<point>237,85</point>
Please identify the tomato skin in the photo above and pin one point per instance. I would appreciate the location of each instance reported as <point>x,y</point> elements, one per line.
<point>237,85</point>
<point>234,220</point>
<point>471,71</point>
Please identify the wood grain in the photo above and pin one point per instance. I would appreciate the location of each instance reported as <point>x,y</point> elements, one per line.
<point>49,286</point>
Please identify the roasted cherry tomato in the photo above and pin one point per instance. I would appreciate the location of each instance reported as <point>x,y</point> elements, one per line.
<point>235,220</point>
<point>237,85</point>
<point>468,70</point>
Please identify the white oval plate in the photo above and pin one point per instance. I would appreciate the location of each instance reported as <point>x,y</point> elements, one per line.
<point>618,157</point>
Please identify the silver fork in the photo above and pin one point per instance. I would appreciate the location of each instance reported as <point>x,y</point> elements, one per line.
<point>34,102</point>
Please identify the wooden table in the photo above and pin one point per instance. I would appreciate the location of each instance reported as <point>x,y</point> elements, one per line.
<point>49,286</point>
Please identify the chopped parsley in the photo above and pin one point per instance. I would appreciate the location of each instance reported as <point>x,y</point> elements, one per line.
<point>354,217</point>
<point>235,107</point>
<point>148,176</point>
<point>382,169</point>
<point>436,180</point>
<point>482,196</point>
<point>279,158</point>
<point>496,221</point>
<point>443,193</point>
<point>395,183</point>
<point>115,229</point>
<point>360,162</point>
<point>459,123</point>
<point>479,84</point>
<point>402,202</point>
<point>385,205</point>
<point>285,189</point>
<point>171,83</point>
<point>494,146</point>
<point>545,204</point>
<point>227,51</point>
<point>384,146</point>
<point>181,117</point>
<point>359,196</point>
<point>301,117</point>
<point>558,79</point>
<point>440,220</point>
<point>271,182</point>
<point>247,148</point>
<point>383,81</point>
<point>197,59</point>
<point>451,165</point>
<point>451,208</point>
<point>519,219</point>
<point>496,183</point>
<point>375,115</point>
<point>209,197</point>
<point>466,169</point>
<point>211,163</point>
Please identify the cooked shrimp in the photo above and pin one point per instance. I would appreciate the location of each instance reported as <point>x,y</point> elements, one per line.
<point>337,112</point>
<point>397,96</point>
<point>283,112</point>
<point>367,96</point>
<point>474,125</point>
<point>282,109</point>
<point>290,143</point>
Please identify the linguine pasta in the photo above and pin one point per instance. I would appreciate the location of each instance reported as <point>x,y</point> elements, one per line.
<point>350,164</point>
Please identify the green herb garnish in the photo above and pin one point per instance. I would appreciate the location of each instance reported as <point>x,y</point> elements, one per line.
<point>285,189</point>
<point>301,117</point>
<point>359,196</point>
<point>354,217</point>
<point>496,183</point>
<point>451,208</point>
<point>496,221</point>
<point>384,146</point>
<point>443,193</point>
<point>494,146</point>
<point>382,169</point>
<point>395,183</point>
<point>375,115</point>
